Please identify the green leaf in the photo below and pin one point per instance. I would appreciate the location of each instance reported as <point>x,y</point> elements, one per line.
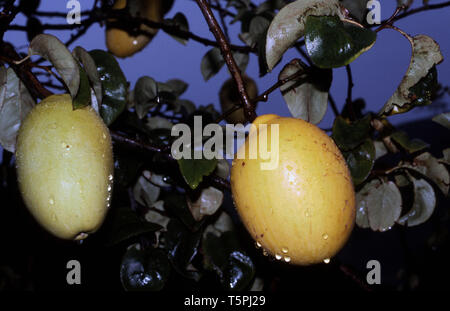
<point>350,135</point>
<point>83,97</point>
<point>257,30</point>
<point>360,161</point>
<point>223,255</point>
<point>289,25</point>
<point>182,23</point>
<point>193,170</point>
<point>420,80</point>
<point>306,95</point>
<point>53,50</point>
<point>378,205</point>
<point>144,269</point>
<point>91,70</point>
<point>145,95</point>
<point>178,87</point>
<point>182,246</point>
<point>15,103</point>
<point>410,145</point>
<point>211,63</point>
<point>331,43</point>
<point>242,60</point>
<point>176,205</point>
<point>443,119</point>
<point>423,206</point>
<point>114,85</point>
<point>125,224</point>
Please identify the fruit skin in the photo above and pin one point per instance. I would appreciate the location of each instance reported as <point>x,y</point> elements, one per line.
<point>64,165</point>
<point>120,43</point>
<point>229,98</point>
<point>304,210</point>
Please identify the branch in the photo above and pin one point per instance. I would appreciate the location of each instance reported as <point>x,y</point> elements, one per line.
<point>249,108</point>
<point>421,9</point>
<point>349,100</point>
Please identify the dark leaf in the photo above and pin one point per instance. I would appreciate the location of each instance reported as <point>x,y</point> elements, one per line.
<point>91,70</point>
<point>331,43</point>
<point>211,64</point>
<point>410,145</point>
<point>193,170</point>
<point>145,95</point>
<point>360,161</point>
<point>83,97</point>
<point>443,119</point>
<point>114,85</point>
<point>144,269</point>
<point>350,135</point>
<point>182,23</point>
<point>357,8</point>
<point>34,28</point>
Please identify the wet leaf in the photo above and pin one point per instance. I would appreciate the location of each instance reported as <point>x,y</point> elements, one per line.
<point>443,119</point>
<point>211,64</point>
<point>423,206</point>
<point>331,43</point>
<point>114,85</point>
<point>357,8</point>
<point>182,23</point>
<point>178,87</point>
<point>307,95</point>
<point>360,161</point>
<point>350,135</point>
<point>15,103</point>
<point>145,192</point>
<point>176,205</point>
<point>378,205</point>
<point>145,95</point>
<point>125,224</point>
<point>193,170</point>
<point>420,79</point>
<point>207,204</point>
<point>53,50</point>
<point>410,145</point>
<point>289,25</point>
<point>224,256</point>
<point>91,70</point>
<point>430,167</point>
<point>182,246</point>
<point>144,269</point>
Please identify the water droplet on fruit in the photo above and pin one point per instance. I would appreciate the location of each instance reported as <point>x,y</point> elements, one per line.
<point>287,259</point>
<point>326,260</point>
<point>104,136</point>
<point>109,188</point>
<point>257,244</point>
<point>277,256</point>
<point>110,177</point>
<point>51,201</point>
<point>325,236</point>
<point>265,253</point>
<point>307,213</point>
<point>284,250</point>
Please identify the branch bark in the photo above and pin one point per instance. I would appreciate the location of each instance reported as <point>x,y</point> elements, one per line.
<point>249,108</point>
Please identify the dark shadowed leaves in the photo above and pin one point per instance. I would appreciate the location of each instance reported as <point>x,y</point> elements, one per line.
<point>180,21</point>
<point>145,95</point>
<point>331,43</point>
<point>350,135</point>
<point>125,224</point>
<point>378,205</point>
<point>356,8</point>
<point>443,119</point>
<point>83,97</point>
<point>224,256</point>
<point>423,206</point>
<point>114,85</point>
<point>144,269</point>
<point>182,246</point>
<point>91,70</point>
<point>306,95</point>
<point>34,28</point>
<point>211,63</point>
<point>410,145</point>
<point>360,161</point>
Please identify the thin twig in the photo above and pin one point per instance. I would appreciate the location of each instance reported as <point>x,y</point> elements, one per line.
<point>249,108</point>
<point>349,100</point>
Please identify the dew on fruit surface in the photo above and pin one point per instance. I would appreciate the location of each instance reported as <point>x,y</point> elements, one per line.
<point>326,260</point>
<point>265,253</point>
<point>109,188</point>
<point>325,236</point>
<point>278,257</point>
<point>307,213</point>
<point>257,244</point>
<point>104,136</point>
<point>110,177</point>
<point>51,201</point>
<point>287,259</point>
<point>284,250</point>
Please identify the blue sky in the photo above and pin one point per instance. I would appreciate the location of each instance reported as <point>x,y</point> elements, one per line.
<point>376,73</point>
